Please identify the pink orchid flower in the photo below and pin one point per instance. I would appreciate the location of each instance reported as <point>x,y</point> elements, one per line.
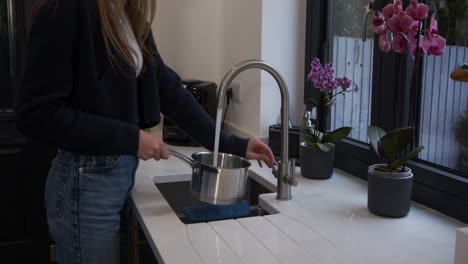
<point>384,43</point>
<point>392,9</point>
<point>417,11</point>
<point>433,29</point>
<point>400,23</point>
<point>434,46</point>
<point>413,33</point>
<point>432,43</point>
<point>415,49</point>
<point>322,79</point>
<point>398,29</point>
<point>400,42</point>
<point>346,83</point>
<point>380,26</point>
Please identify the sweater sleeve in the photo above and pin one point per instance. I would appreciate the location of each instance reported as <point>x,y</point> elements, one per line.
<point>42,106</point>
<point>181,107</point>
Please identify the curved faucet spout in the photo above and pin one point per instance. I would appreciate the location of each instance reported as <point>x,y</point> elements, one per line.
<point>284,180</point>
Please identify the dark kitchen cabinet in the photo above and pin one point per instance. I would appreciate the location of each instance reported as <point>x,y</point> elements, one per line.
<point>24,163</point>
<point>23,226</point>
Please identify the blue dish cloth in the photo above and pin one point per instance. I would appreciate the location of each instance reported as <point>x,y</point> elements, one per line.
<point>206,213</point>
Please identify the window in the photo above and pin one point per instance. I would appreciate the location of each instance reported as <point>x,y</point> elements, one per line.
<point>335,32</point>
<point>353,58</point>
<point>445,101</point>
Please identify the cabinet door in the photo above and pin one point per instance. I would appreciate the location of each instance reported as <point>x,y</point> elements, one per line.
<point>7,53</point>
<point>23,226</point>
<point>12,222</point>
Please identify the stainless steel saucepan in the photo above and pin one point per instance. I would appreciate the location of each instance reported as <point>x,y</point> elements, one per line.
<point>223,184</point>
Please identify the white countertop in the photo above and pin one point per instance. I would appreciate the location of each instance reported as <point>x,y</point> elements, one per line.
<point>326,222</point>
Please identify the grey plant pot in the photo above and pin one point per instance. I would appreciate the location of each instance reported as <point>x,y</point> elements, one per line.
<point>389,194</point>
<point>315,163</point>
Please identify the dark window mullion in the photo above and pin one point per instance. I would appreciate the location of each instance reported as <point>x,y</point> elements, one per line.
<point>315,38</point>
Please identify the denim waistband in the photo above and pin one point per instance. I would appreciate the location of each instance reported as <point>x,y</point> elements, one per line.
<point>85,160</point>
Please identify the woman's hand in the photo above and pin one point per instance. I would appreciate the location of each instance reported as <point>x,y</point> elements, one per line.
<point>261,152</point>
<point>151,147</point>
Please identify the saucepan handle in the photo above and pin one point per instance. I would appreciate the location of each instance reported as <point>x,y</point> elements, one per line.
<point>182,157</point>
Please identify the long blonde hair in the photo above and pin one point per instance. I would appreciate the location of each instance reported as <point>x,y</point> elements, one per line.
<point>140,13</point>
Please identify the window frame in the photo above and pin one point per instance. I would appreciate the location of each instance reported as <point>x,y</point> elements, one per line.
<point>434,186</point>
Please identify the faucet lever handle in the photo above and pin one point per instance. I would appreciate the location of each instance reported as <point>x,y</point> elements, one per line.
<point>291,180</point>
<point>274,171</point>
<point>288,179</point>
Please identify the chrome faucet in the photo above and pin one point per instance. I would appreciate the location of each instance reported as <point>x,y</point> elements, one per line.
<point>367,12</point>
<point>285,175</point>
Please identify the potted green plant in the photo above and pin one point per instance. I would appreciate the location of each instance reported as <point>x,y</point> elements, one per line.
<point>390,184</point>
<point>317,152</point>
<point>400,29</point>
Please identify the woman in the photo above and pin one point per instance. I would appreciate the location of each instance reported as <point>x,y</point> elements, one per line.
<point>93,80</point>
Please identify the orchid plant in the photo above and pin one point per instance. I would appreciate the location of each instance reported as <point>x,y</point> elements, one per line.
<point>322,78</point>
<point>400,29</point>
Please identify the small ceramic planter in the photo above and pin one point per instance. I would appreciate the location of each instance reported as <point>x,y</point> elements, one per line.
<point>389,194</point>
<point>315,163</point>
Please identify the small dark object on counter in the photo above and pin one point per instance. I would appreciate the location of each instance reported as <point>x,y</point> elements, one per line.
<point>274,140</point>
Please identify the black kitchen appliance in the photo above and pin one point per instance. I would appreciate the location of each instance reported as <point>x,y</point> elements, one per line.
<point>274,141</point>
<point>24,163</point>
<point>205,94</point>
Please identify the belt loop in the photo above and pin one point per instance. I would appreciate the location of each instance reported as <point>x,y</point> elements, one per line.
<point>81,160</point>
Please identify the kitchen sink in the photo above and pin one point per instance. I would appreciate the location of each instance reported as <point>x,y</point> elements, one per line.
<point>178,195</point>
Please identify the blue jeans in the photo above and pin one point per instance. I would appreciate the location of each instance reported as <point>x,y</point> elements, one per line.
<point>85,199</point>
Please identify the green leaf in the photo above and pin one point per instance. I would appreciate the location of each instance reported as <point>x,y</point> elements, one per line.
<point>413,154</point>
<point>375,134</point>
<point>308,131</point>
<point>394,143</point>
<point>314,135</point>
<point>310,141</point>
<point>325,146</point>
<point>336,135</point>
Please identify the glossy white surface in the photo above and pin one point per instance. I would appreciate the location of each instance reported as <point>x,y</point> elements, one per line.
<point>327,222</point>
<point>461,251</point>
<point>243,243</point>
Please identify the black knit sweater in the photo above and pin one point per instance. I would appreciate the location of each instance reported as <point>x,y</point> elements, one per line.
<point>71,98</point>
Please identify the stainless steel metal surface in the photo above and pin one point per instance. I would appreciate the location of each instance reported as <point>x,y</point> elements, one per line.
<point>181,157</point>
<point>291,178</point>
<point>224,184</point>
<point>283,186</point>
<point>367,12</point>
<point>178,196</point>
<point>12,36</point>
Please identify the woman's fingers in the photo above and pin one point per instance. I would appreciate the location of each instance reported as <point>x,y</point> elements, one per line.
<point>260,163</point>
<point>164,152</point>
<point>151,147</point>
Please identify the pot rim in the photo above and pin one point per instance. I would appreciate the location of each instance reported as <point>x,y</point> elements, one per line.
<point>393,175</point>
<point>248,163</point>
<point>304,144</point>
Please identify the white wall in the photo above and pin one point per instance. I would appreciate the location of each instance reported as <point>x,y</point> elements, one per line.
<point>241,37</point>
<point>187,35</point>
<point>283,45</point>
<point>203,39</point>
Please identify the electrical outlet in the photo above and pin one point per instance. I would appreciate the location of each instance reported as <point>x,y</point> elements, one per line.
<point>236,92</point>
